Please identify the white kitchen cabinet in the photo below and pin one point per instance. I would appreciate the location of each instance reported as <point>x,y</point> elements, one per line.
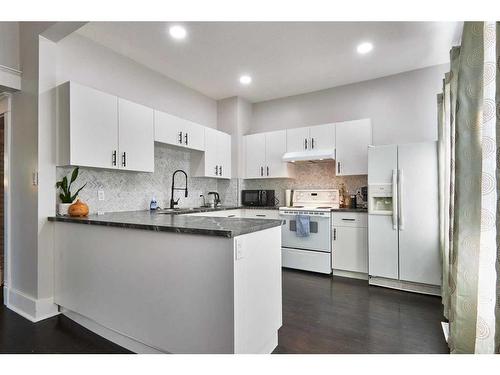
<point>216,160</point>
<point>87,127</point>
<point>136,136</point>
<point>322,137</point>
<point>99,130</point>
<point>179,132</point>
<point>264,153</point>
<point>297,139</point>
<point>318,137</point>
<point>352,141</point>
<point>255,155</point>
<point>350,242</point>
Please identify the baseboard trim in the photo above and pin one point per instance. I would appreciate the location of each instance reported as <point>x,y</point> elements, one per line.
<point>118,338</point>
<point>350,274</point>
<point>406,286</point>
<point>34,310</point>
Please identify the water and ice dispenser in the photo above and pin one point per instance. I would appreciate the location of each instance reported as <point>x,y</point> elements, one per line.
<point>380,199</point>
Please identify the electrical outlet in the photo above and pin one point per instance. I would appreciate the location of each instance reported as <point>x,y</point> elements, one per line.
<point>100,194</point>
<point>239,250</point>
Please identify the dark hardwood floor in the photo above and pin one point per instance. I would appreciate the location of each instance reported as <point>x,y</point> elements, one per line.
<point>320,315</point>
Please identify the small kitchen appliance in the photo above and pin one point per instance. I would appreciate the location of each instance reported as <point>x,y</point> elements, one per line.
<point>258,198</point>
<point>312,252</point>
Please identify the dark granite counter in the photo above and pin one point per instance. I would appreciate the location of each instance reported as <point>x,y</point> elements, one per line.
<point>360,210</point>
<point>174,221</point>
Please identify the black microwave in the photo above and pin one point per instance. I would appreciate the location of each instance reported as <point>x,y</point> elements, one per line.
<point>258,198</point>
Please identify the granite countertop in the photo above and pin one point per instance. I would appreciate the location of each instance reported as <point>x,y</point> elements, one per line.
<point>361,210</point>
<point>174,221</point>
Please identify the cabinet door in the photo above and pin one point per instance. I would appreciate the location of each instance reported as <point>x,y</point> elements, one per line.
<point>136,136</point>
<point>275,148</point>
<point>211,155</point>
<point>169,129</point>
<point>297,139</point>
<point>255,155</point>
<point>352,139</point>
<point>193,136</point>
<point>224,154</point>
<point>93,127</point>
<point>350,249</point>
<point>322,137</point>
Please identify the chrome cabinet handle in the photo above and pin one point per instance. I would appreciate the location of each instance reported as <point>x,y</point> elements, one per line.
<point>220,170</point>
<point>216,171</point>
<point>312,143</point>
<point>260,215</point>
<point>186,138</point>
<point>349,219</point>
<point>180,138</point>
<point>305,143</point>
<point>334,234</point>
<point>338,167</point>
<point>113,160</point>
<point>268,170</point>
<point>262,171</point>
<point>124,159</point>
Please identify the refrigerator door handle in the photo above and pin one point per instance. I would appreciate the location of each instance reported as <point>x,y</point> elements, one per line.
<point>400,196</point>
<point>395,199</point>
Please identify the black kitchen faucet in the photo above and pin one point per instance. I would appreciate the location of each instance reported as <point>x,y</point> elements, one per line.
<point>174,203</point>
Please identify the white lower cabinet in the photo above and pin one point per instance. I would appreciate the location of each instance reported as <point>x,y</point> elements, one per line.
<point>350,242</point>
<point>216,160</point>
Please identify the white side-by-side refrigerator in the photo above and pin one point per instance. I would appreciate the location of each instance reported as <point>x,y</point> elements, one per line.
<point>403,217</point>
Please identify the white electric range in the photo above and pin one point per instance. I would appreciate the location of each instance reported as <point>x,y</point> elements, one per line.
<point>313,252</point>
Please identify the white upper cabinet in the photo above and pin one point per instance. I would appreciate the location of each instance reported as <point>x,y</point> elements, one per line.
<point>216,160</point>
<point>100,130</point>
<point>297,139</point>
<point>352,140</point>
<point>255,155</point>
<point>263,155</point>
<point>87,126</point>
<point>176,131</point>
<point>135,136</point>
<point>319,137</point>
<point>322,137</point>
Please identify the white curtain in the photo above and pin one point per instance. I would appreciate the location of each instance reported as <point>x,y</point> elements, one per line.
<point>468,123</point>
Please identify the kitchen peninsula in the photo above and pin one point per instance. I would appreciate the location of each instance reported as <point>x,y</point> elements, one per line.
<point>159,282</point>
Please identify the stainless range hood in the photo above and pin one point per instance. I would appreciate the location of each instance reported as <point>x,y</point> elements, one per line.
<point>310,155</point>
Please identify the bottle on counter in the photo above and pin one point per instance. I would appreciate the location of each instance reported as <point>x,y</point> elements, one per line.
<point>153,205</point>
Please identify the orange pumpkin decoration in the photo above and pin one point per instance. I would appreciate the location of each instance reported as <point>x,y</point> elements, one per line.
<point>78,209</point>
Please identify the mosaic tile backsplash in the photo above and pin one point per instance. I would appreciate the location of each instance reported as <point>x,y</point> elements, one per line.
<point>129,191</point>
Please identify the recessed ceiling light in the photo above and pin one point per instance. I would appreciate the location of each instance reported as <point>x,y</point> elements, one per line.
<point>245,79</point>
<point>364,47</point>
<point>177,32</point>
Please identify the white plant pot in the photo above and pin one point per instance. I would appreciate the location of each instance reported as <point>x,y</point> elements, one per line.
<point>62,208</point>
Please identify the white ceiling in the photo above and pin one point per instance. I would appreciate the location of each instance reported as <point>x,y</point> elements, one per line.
<point>283,58</point>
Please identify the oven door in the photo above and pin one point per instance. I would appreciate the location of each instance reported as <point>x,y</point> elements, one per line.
<point>319,238</point>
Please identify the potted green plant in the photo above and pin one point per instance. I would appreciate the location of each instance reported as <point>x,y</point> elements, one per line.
<point>65,196</point>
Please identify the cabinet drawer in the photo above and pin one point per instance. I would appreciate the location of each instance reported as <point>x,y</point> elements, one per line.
<point>350,219</point>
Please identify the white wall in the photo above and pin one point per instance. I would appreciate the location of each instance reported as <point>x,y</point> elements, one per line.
<point>91,64</point>
<point>402,107</point>
<point>9,44</point>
